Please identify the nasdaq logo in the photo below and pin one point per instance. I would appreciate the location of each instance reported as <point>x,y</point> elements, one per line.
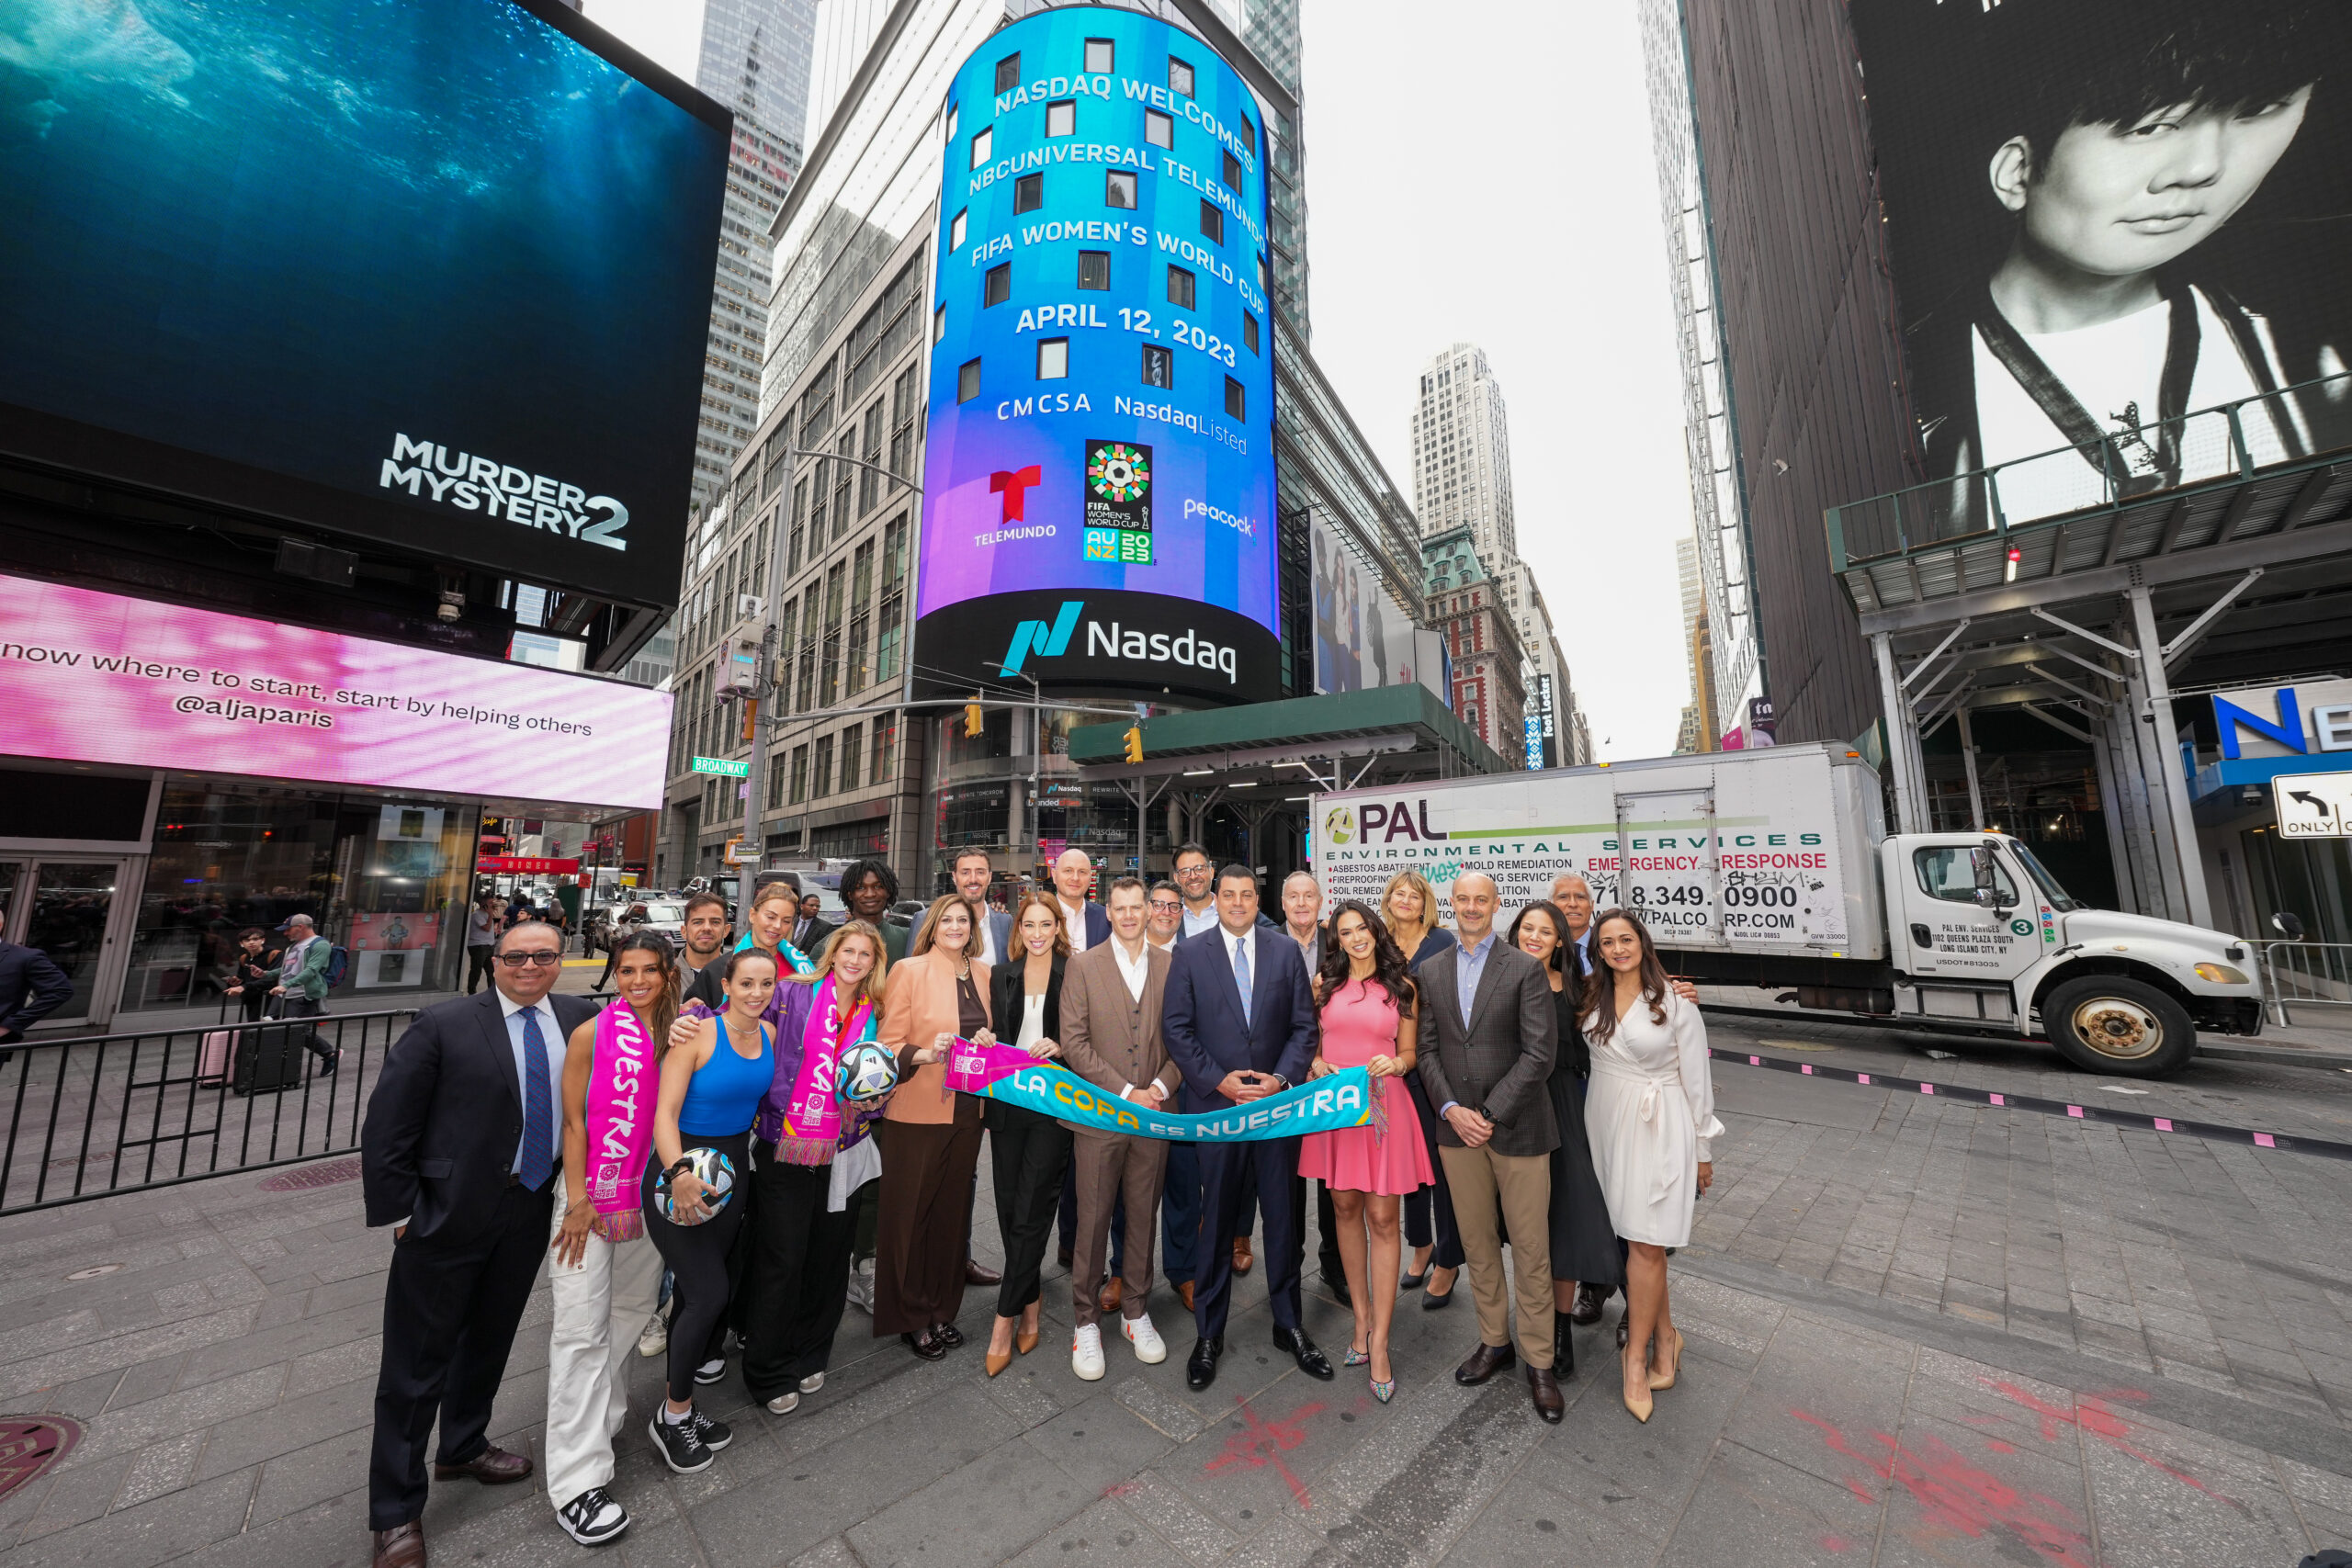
<point>1047,641</point>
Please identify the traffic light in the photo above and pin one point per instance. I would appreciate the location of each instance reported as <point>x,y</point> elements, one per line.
<point>971,718</point>
<point>1134,743</point>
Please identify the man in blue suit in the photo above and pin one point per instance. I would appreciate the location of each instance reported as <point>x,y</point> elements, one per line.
<point>1239,1022</point>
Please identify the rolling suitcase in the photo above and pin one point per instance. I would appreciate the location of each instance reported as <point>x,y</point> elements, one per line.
<point>269,1058</point>
<point>212,1051</point>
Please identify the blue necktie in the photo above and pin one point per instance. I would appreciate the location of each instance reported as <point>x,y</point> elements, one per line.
<point>538,1112</point>
<point>1241,973</point>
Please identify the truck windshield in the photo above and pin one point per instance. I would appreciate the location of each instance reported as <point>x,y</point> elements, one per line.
<point>2060,900</point>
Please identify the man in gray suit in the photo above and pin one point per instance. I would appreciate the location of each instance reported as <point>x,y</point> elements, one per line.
<point>1488,1038</point>
<point>972,874</point>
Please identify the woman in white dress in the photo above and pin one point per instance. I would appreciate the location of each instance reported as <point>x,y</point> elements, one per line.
<point>1649,1113</point>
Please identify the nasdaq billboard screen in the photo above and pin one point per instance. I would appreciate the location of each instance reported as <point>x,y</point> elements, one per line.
<point>434,274</point>
<point>1099,475</point>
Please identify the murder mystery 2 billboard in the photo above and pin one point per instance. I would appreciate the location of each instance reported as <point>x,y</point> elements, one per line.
<point>2103,215</point>
<point>434,274</point>
<point>1099,479</point>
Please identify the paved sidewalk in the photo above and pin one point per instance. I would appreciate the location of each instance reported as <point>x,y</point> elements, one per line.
<point>1919,1332</point>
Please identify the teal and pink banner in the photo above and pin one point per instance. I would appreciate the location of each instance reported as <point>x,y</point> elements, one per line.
<point>1342,1098</point>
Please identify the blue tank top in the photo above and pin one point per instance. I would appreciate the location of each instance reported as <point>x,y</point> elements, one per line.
<point>724,1094</point>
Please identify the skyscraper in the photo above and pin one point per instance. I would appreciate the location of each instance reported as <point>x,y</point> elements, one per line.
<point>755,60</point>
<point>1462,455</point>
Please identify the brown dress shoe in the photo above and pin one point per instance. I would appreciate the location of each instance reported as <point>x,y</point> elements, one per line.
<point>493,1467</point>
<point>403,1546</point>
<point>1241,1259</point>
<point>1114,1293</point>
<point>1586,1312</point>
<point>1546,1391</point>
<point>1484,1363</point>
<point>980,1274</point>
<point>1185,1292</point>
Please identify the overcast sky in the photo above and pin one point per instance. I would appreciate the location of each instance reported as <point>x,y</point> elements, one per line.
<point>1457,192</point>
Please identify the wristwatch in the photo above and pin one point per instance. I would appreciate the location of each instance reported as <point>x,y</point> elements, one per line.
<point>674,1172</point>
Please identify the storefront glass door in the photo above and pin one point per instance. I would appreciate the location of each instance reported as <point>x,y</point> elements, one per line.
<point>62,907</point>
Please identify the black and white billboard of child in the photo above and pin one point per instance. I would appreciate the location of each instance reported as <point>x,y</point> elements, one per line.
<point>2104,215</point>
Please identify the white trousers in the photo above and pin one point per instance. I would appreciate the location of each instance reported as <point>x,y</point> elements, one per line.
<point>601,1306</point>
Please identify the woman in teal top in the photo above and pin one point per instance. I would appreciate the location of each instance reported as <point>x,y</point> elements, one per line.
<point>711,1087</point>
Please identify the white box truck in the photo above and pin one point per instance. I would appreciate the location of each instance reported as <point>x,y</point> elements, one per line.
<point>1774,869</point>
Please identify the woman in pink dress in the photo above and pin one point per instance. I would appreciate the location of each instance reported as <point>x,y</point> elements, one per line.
<point>1366,1001</point>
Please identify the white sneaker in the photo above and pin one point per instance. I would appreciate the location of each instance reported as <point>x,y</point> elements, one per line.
<point>1086,1352</point>
<point>812,1383</point>
<point>655,1339</point>
<point>783,1404</point>
<point>1150,1349</point>
<point>861,1287</point>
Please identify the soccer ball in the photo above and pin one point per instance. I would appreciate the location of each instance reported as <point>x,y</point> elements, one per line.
<point>867,1073</point>
<point>716,1172</point>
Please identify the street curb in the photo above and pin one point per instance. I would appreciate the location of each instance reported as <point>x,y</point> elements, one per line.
<point>2275,1056</point>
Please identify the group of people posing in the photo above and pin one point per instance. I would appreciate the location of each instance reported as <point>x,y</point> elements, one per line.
<point>751,1121</point>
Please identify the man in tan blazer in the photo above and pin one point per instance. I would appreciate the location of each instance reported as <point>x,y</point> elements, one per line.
<point>1111,1006</point>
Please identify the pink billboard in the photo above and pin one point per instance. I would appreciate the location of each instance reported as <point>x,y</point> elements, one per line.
<point>94,677</point>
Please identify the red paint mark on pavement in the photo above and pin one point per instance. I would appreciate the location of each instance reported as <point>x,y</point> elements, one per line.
<point>1959,1498</point>
<point>1836,1543</point>
<point>2092,1415</point>
<point>1263,1443</point>
<point>1122,1488</point>
<point>1999,1446</point>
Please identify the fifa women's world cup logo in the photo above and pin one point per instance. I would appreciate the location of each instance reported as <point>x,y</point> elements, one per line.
<point>1118,502</point>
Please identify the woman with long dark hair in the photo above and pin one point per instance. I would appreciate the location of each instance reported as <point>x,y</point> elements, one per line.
<point>1028,1152</point>
<point>1365,1002</point>
<point>710,1090</point>
<point>1584,1249</point>
<point>930,1135</point>
<point>796,1272</point>
<point>605,1274</point>
<point>1650,1114</point>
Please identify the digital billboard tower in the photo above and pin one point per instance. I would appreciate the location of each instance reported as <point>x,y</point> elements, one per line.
<point>1099,477</point>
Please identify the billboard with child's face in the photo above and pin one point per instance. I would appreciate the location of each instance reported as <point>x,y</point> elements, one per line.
<point>2105,215</point>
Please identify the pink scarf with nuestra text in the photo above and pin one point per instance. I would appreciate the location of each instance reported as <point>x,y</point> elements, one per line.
<point>812,1117</point>
<point>622,1081</point>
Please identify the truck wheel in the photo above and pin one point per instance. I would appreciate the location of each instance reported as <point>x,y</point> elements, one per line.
<point>2105,1023</point>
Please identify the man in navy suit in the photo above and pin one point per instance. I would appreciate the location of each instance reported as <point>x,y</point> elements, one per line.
<point>1086,923</point>
<point>1240,1024</point>
<point>460,1156</point>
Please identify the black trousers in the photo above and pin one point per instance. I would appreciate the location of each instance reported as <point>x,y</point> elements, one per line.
<point>303,1007</point>
<point>1030,1157</point>
<point>701,1282</point>
<point>1429,1214</point>
<point>1274,1161</point>
<point>478,966</point>
<point>449,1317</point>
<point>796,1279</point>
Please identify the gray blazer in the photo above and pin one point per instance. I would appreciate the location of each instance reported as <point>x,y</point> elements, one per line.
<point>1499,1064</point>
<point>1001,928</point>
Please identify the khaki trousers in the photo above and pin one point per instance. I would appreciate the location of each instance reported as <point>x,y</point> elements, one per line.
<point>1523,1183</point>
<point>1110,1164</point>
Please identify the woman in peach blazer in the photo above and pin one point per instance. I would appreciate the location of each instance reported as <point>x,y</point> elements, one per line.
<point>929,1137</point>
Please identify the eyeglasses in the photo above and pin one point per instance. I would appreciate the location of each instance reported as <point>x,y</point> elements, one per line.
<point>1165,905</point>
<point>544,960</point>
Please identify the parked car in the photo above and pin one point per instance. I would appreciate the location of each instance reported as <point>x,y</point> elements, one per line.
<point>667,916</point>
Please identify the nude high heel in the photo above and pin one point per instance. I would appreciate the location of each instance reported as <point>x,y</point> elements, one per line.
<point>1639,1410</point>
<point>1659,1383</point>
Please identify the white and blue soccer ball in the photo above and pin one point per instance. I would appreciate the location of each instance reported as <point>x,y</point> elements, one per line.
<point>716,1172</point>
<point>867,1072</point>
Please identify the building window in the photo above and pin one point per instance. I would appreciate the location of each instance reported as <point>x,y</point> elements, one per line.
<point>1028,193</point>
<point>883,756</point>
<point>1159,129</point>
<point>939,324</point>
<point>1119,188</point>
<point>904,396</point>
<point>996,287</point>
<point>1099,55</point>
<point>951,123</point>
<point>890,639</point>
<point>869,478</point>
<point>1212,223</point>
<point>852,739</point>
<point>861,614</point>
<point>799,775</point>
<point>984,142</point>
<point>808,692</point>
<point>1159,365</point>
<point>1094,269</point>
<point>1231,170</point>
<point>1008,74</point>
<point>967,381</point>
<point>1053,358</point>
<point>1235,399</point>
<point>821,770</point>
<point>1061,117</point>
<point>776,780</point>
<point>1248,332</point>
<point>1179,77</point>
<point>956,232</point>
<point>1179,286</point>
<point>829,674</point>
<point>1261,272</point>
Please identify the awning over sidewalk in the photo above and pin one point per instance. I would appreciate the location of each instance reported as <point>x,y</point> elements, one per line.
<point>1403,729</point>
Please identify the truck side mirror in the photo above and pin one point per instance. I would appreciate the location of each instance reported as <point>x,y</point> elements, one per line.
<point>2288,926</point>
<point>1988,882</point>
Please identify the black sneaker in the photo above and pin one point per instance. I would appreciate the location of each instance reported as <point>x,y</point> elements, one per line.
<point>715,1434</point>
<point>682,1446</point>
<point>592,1518</point>
<point>711,1372</point>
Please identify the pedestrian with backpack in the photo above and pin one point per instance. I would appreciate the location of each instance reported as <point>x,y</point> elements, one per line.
<point>303,978</point>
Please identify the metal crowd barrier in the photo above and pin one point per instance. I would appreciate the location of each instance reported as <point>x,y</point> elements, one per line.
<point>107,1113</point>
<point>2306,973</point>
